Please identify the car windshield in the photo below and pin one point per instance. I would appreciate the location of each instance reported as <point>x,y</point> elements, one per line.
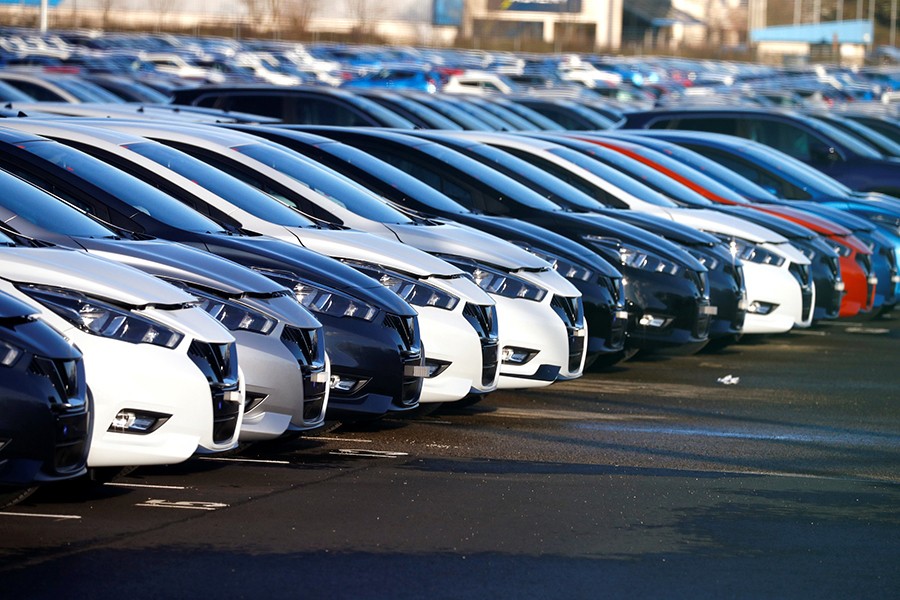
<point>394,177</point>
<point>131,190</point>
<point>386,117</point>
<point>45,211</point>
<point>850,141</point>
<point>510,188</point>
<point>614,176</point>
<point>238,193</point>
<point>326,182</point>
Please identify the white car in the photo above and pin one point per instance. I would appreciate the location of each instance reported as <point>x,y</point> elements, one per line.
<point>775,299</point>
<point>163,374</point>
<point>542,329</point>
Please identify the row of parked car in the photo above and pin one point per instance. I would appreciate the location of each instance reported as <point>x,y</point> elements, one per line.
<point>184,279</point>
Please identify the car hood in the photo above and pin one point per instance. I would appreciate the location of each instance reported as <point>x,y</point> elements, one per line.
<point>12,308</point>
<point>184,263</point>
<point>91,275</point>
<point>715,222</point>
<point>470,243</point>
<point>371,248</point>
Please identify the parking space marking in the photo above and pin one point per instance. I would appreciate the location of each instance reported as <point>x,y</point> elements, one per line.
<point>247,460</point>
<point>336,439</point>
<point>145,485</point>
<point>867,330</point>
<point>182,504</point>
<point>40,516</point>
<point>368,453</point>
<point>566,415</point>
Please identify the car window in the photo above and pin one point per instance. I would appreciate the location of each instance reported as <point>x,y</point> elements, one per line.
<point>755,173</point>
<point>266,105</point>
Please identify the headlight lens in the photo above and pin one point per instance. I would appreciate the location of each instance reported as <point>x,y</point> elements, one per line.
<point>232,315</point>
<point>103,319</point>
<point>564,267</point>
<point>413,291</point>
<point>9,354</point>
<point>630,256</point>
<point>322,300</point>
<point>753,253</point>
<point>842,250</point>
<point>889,222</point>
<point>708,261</point>
<point>495,281</point>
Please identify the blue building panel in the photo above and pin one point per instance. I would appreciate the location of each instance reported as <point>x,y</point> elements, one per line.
<point>845,32</point>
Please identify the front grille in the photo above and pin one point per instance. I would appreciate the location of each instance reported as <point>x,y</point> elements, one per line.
<point>71,441</point>
<point>483,318</point>
<point>834,265</point>
<point>701,326</point>
<point>304,344</point>
<point>699,279</point>
<point>490,360</point>
<point>406,327</point>
<point>615,287</point>
<point>576,351</point>
<point>801,274</point>
<point>865,262</point>
<point>217,362</point>
<point>412,386</point>
<point>569,309</point>
<point>63,375</point>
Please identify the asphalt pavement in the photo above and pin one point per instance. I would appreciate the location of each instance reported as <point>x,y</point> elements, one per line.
<point>768,470</point>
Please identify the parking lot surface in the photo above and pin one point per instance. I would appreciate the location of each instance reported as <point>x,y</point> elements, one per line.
<point>770,469</point>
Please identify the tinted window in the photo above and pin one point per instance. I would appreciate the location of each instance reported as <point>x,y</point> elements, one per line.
<point>330,184</point>
<point>257,104</point>
<point>134,192</point>
<point>232,190</point>
<point>35,206</point>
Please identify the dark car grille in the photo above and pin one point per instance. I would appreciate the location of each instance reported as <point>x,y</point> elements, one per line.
<point>406,327</point>
<point>801,274</point>
<point>865,262</point>
<point>216,362</point>
<point>699,280</point>
<point>834,265</point>
<point>308,348</point>
<point>483,319</point>
<point>69,405</point>
<point>614,286</point>
<point>63,375</point>
<point>571,311</point>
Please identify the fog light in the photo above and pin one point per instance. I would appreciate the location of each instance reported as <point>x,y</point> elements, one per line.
<point>839,286</point>
<point>346,384</point>
<point>435,367</point>
<point>895,278</point>
<point>758,307</point>
<point>253,400</point>
<point>135,421</point>
<point>653,321</point>
<point>873,280</point>
<point>622,314</point>
<point>517,356</point>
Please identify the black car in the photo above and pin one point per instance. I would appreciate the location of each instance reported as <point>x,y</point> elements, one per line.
<point>323,106</point>
<point>44,405</point>
<point>371,335</point>
<point>668,295</point>
<point>598,281</point>
<point>834,152</point>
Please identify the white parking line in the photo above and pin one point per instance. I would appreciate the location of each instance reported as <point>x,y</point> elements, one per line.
<point>367,453</point>
<point>145,485</point>
<point>40,516</point>
<point>247,460</point>
<point>335,439</point>
<point>183,504</point>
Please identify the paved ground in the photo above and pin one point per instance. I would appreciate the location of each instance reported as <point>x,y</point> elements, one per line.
<point>653,480</point>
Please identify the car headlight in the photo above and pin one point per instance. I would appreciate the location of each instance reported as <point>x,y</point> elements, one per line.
<point>564,267</point>
<point>9,354</point>
<point>842,250</point>
<point>413,291</point>
<point>807,251</point>
<point>495,281</point>
<point>889,222</point>
<point>232,315</point>
<point>637,258</point>
<point>710,262</point>
<point>103,319</point>
<point>754,253</point>
<point>322,300</point>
